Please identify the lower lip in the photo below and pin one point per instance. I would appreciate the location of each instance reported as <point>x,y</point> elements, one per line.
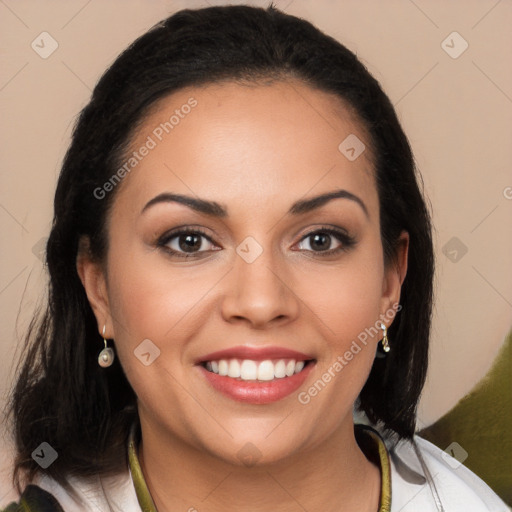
<point>257,392</point>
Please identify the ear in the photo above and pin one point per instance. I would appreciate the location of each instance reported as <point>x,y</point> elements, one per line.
<point>394,275</point>
<point>94,281</point>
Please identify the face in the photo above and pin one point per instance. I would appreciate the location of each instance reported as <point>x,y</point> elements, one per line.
<point>220,262</point>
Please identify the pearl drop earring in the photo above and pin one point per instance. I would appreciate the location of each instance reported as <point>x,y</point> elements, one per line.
<point>107,356</point>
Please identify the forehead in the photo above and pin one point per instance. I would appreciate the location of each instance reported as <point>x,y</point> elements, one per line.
<point>255,143</point>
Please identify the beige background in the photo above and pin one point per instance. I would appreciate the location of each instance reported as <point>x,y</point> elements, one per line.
<point>457,113</point>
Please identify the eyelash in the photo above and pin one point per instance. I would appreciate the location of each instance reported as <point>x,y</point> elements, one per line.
<point>346,240</point>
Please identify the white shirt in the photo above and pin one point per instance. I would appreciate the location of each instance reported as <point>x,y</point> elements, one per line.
<point>452,487</point>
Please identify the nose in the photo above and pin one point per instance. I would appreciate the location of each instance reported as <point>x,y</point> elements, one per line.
<point>260,293</point>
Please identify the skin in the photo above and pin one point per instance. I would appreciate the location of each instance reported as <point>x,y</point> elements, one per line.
<point>254,149</point>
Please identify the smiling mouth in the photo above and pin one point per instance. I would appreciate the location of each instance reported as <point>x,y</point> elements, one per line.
<point>251,370</point>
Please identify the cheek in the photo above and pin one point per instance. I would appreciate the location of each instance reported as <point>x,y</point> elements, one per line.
<point>347,302</point>
<point>346,298</point>
<point>151,297</point>
<point>152,309</point>
<point>350,309</point>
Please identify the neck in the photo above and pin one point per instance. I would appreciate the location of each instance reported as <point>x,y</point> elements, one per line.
<point>329,477</point>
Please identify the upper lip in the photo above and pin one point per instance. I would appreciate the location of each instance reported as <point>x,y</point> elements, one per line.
<point>255,354</point>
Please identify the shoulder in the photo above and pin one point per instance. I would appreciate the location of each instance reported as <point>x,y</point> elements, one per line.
<point>89,495</point>
<point>424,477</point>
<point>34,499</point>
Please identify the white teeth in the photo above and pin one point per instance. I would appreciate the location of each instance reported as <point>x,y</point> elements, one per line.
<point>234,369</point>
<point>247,369</point>
<point>223,367</point>
<point>280,369</point>
<point>266,370</point>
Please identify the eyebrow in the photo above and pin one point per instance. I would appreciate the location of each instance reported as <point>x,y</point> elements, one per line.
<point>217,210</point>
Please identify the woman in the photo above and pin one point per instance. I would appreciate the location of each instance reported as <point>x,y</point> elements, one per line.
<point>240,259</point>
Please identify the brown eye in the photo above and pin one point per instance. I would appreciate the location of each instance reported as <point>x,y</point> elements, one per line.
<point>190,242</point>
<point>186,243</point>
<point>322,241</point>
